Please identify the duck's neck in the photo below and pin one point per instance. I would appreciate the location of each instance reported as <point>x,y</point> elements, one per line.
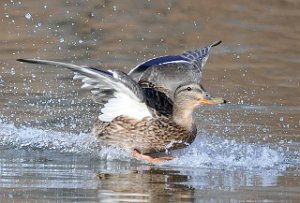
<point>184,118</point>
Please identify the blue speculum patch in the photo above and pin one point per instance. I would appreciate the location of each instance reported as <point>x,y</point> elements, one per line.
<point>160,60</point>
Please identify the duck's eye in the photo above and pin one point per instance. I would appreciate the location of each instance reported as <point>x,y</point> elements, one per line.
<point>188,88</point>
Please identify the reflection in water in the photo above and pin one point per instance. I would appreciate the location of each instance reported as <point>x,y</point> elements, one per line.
<point>69,176</point>
<point>247,150</point>
<point>150,183</point>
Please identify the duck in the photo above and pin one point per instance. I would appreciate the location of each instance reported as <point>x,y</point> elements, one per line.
<point>150,109</point>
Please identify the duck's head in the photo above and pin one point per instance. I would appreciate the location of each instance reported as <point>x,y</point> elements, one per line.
<point>186,97</point>
<point>193,94</point>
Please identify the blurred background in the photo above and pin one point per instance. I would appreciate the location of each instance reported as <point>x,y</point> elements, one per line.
<point>257,63</point>
<point>256,69</point>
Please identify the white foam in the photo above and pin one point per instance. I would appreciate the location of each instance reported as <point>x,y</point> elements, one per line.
<point>219,153</point>
<point>204,152</point>
<point>13,137</point>
<point>29,138</point>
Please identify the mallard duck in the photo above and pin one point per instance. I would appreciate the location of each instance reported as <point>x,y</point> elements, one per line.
<point>141,113</point>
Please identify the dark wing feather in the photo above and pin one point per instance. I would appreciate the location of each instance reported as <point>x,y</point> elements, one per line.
<point>158,61</point>
<point>199,57</point>
<point>158,102</point>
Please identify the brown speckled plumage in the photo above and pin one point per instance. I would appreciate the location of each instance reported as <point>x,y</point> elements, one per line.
<point>148,135</point>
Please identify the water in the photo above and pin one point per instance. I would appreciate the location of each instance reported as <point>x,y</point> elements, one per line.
<point>246,151</point>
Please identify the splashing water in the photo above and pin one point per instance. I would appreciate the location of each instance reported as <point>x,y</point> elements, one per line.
<point>28,16</point>
<point>219,153</point>
<point>10,136</point>
<point>204,152</point>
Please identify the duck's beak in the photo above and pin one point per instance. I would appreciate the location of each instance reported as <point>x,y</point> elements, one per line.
<point>216,100</point>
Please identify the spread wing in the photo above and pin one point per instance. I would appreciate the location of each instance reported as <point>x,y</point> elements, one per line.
<point>116,90</point>
<point>169,72</point>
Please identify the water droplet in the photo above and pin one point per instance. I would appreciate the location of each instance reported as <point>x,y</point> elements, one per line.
<point>28,16</point>
<point>226,129</point>
<point>265,130</point>
<point>12,71</point>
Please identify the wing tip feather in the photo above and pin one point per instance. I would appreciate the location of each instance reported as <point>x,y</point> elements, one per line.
<point>216,43</point>
<point>25,60</point>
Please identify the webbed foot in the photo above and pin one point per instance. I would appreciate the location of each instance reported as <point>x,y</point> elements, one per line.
<point>141,156</point>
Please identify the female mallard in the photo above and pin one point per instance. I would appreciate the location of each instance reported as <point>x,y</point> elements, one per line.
<point>141,113</point>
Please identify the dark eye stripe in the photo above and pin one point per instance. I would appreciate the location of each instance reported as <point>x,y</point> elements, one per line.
<point>188,89</point>
<point>180,90</point>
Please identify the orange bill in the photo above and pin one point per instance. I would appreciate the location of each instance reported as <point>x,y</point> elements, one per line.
<point>212,101</point>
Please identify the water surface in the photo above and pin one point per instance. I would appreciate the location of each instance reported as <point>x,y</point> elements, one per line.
<point>247,150</point>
